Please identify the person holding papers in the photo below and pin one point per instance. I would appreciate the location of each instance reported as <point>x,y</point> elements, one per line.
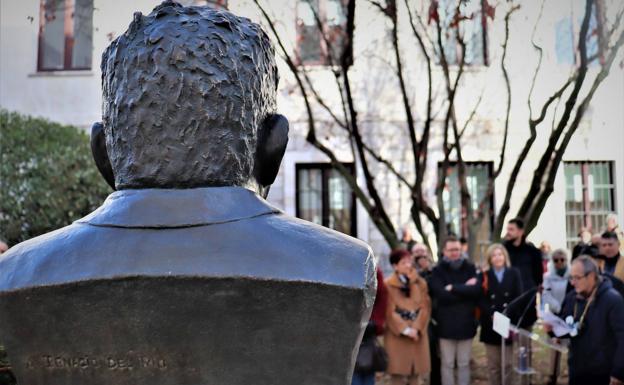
<point>595,313</point>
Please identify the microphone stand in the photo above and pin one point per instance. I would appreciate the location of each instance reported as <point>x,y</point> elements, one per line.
<point>526,308</point>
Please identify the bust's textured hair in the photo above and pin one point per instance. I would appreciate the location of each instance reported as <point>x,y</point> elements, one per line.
<point>184,92</point>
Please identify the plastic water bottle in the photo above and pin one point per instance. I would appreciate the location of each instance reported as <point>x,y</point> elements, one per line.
<point>523,359</point>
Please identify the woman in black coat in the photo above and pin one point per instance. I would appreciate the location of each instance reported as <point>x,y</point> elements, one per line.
<point>501,284</point>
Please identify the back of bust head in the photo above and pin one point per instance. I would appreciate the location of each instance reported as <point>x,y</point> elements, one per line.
<point>185,91</point>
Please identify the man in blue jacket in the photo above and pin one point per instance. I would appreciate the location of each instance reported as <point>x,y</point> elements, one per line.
<point>596,313</point>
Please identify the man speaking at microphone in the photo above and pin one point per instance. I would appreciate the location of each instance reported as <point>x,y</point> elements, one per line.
<point>595,313</point>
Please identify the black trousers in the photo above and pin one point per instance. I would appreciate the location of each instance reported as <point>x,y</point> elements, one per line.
<point>434,376</point>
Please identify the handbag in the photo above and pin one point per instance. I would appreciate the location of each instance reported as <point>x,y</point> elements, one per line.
<point>484,288</point>
<point>372,357</point>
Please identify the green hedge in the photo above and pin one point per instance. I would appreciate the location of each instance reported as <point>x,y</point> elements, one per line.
<point>48,178</point>
<point>6,376</point>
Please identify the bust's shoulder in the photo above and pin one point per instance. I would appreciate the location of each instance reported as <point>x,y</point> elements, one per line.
<point>42,244</point>
<point>316,251</point>
<point>32,256</point>
<point>322,239</point>
<point>266,246</point>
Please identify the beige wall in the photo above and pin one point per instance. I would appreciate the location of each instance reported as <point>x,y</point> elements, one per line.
<point>64,96</point>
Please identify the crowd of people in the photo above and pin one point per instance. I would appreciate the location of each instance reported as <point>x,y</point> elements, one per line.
<point>429,314</point>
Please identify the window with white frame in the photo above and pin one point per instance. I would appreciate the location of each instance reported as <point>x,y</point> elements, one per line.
<point>568,28</point>
<point>478,175</point>
<point>590,197</point>
<point>65,35</point>
<point>468,18</point>
<point>315,44</point>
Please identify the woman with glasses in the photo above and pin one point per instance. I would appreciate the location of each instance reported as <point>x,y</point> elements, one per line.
<point>501,284</point>
<point>556,281</point>
<point>555,288</point>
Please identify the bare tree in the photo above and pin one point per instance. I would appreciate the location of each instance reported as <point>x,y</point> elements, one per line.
<point>428,38</point>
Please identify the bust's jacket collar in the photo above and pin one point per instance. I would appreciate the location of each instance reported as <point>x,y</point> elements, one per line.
<point>174,208</point>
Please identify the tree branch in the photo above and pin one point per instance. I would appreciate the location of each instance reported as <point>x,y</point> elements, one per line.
<point>540,52</point>
<point>376,213</point>
<point>545,162</point>
<point>390,10</point>
<point>379,210</point>
<point>451,120</point>
<point>423,145</point>
<point>482,207</point>
<point>548,188</point>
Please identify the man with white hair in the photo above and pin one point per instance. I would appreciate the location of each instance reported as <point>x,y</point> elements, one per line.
<point>595,313</point>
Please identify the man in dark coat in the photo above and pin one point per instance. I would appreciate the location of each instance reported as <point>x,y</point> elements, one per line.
<point>610,261</point>
<point>453,284</point>
<point>596,312</point>
<point>528,260</point>
<point>584,246</point>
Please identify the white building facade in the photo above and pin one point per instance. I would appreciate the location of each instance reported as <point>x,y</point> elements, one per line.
<point>50,53</point>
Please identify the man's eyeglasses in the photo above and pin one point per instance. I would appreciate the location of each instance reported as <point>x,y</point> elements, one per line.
<point>557,260</point>
<point>574,278</point>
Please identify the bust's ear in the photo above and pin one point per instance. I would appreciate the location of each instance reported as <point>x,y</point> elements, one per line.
<point>272,141</point>
<point>98,149</point>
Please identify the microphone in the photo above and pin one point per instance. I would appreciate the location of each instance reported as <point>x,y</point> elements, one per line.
<point>521,297</point>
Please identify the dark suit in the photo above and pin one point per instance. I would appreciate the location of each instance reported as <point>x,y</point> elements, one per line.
<point>182,287</point>
<point>496,298</point>
<point>455,310</point>
<point>528,260</point>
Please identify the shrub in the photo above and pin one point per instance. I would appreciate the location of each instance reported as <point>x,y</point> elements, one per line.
<point>6,376</point>
<point>48,178</point>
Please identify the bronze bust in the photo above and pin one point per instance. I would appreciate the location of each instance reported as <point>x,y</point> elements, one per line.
<point>186,275</point>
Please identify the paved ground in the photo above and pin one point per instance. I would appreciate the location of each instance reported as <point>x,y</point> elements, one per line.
<point>541,363</point>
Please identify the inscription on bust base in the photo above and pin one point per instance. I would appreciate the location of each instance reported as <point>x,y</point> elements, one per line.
<point>129,361</point>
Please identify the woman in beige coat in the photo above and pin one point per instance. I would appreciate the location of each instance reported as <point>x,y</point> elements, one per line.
<point>407,317</point>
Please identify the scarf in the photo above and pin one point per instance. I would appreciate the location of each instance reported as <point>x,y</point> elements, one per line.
<point>456,264</point>
<point>405,284</point>
<point>561,272</point>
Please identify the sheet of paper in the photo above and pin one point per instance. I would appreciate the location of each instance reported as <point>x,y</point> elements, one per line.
<point>501,324</point>
<point>559,327</point>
